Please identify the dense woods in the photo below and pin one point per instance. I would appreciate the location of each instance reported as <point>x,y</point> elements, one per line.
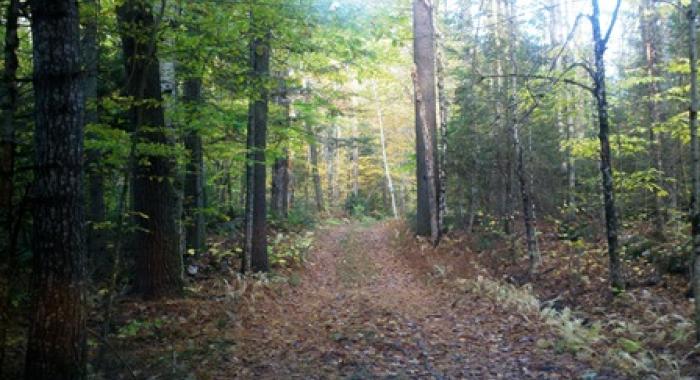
<point>345,188</point>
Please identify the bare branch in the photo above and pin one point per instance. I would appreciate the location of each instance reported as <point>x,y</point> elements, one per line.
<point>612,22</point>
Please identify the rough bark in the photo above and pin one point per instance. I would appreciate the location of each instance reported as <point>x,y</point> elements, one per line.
<point>600,94</point>
<point>193,204</point>
<point>695,160</point>
<point>429,163</point>
<point>256,212</point>
<point>7,169</point>
<point>157,239</point>
<point>424,60</point>
<point>56,346</point>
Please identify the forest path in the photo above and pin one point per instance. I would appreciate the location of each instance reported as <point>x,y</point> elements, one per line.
<point>363,309</point>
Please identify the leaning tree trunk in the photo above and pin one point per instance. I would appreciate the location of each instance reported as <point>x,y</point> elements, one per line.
<point>424,83</point>
<point>385,160</point>
<point>158,262</point>
<point>695,160</point>
<point>599,91</point>
<point>7,170</point>
<point>56,346</point>
<point>256,212</point>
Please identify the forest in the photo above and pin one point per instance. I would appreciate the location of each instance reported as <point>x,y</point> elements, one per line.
<point>327,189</point>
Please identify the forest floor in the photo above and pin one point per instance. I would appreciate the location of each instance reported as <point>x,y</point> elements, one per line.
<point>370,302</point>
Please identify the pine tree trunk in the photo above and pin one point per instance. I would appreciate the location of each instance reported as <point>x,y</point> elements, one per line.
<point>256,212</point>
<point>279,197</point>
<point>194,177</point>
<point>606,170</point>
<point>158,262</point>
<point>7,170</point>
<point>442,146</point>
<point>426,156</point>
<point>56,348</point>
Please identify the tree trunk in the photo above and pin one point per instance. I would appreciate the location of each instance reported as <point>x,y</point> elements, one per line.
<point>7,170</point>
<point>442,146</point>
<point>650,32</point>
<point>158,262</point>
<point>194,177</point>
<point>385,160</point>
<point>96,238</point>
<point>429,164</point>
<point>424,83</point>
<point>606,170</point>
<point>695,161</point>
<point>280,171</point>
<point>56,346</point>
<point>256,213</point>
<point>316,176</point>
<point>520,168</point>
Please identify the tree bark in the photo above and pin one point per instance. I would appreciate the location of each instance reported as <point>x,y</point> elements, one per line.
<point>157,237</point>
<point>7,170</point>
<point>424,83</point>
<point>429,163</point>
<point>611,223</point>
<point>56,346</point>
<point>194,177</point>
<point>279,198</point>
<point>650,34</point>
<point>316,176</point>
<point>385,160</point>
<point>256,212</point>
<point>96,237</point>
<point>443,104</point>
<point>695,160</point>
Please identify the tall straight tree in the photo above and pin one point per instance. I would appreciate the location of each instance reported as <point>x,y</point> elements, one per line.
<point>255,257</point>
<point>96,211</point>
<point>599,91</point>
<point>7,169</point>
<point>426,109</point>
<point>158,260</point>
<point>695,160</point>
<point>650,36</point>
<point>56,346</point>
<point>194,178</point>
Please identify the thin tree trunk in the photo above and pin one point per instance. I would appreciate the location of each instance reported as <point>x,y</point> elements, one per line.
<point>56,348</point>
<point>256,212</point>
<point>606,170</point>
<point>96,239</point>
<point>695,160</point>
<point>382,140</point>
<point>316,176</point>
<point>159,260</point>
<point>426,120</point>
<point>649,33</point>
<point>194,176</point>
<point>279,193</point>
<point>443,105</point>
<point>7,171</point>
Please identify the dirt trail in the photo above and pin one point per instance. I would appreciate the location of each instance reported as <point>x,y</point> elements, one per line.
<point>362,309</point>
